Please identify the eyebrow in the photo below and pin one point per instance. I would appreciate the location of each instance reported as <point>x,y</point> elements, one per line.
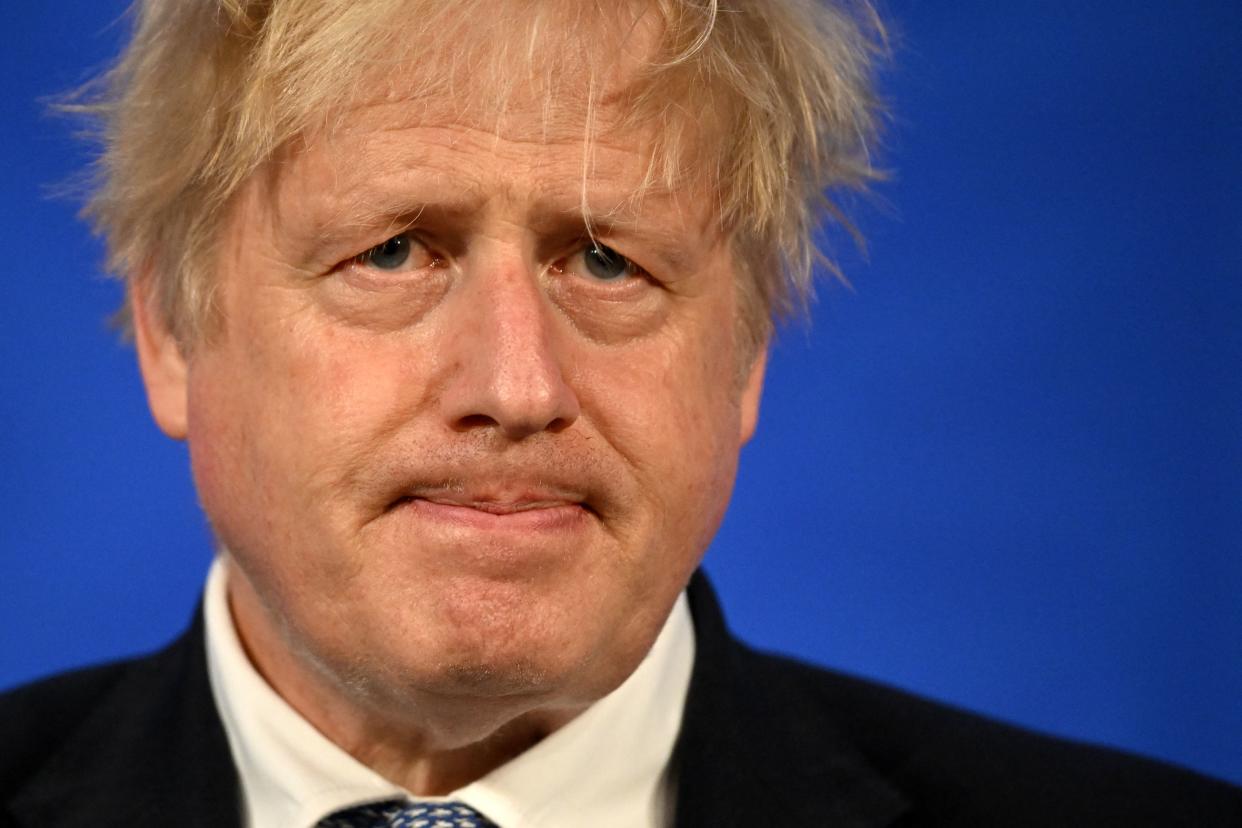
<point>671,249</point>
<point>336,222</point>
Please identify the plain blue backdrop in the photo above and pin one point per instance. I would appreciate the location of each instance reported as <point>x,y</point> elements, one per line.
<point>1004,470</point>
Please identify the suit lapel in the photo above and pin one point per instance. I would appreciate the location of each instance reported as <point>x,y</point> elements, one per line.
<point>152,753</point>
<point>755,750</point>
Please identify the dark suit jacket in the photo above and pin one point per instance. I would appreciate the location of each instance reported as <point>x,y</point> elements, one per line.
<point>765,742</point>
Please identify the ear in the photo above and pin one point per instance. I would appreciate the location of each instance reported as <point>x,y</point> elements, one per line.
<point>162,364</point>
<point>752,391</point>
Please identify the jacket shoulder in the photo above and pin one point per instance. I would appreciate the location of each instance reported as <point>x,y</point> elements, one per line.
<point>138,740</point>
<point>959,767</point>
<point>37,718</point>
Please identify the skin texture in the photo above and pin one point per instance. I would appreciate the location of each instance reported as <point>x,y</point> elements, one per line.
<point>460,496</point>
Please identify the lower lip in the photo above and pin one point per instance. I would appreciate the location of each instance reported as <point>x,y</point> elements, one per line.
<point>540,519</point>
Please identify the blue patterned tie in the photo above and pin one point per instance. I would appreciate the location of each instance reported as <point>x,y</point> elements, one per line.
<point>402,814</point>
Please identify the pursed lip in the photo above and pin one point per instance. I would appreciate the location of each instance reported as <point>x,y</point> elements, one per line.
<point>501,508</point>
<point>517,508</point>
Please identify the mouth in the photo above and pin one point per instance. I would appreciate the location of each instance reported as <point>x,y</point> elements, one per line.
<point>537,510</point>
<point>493,507</point>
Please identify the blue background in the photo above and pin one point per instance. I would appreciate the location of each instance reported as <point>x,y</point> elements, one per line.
<point>1004,470</point>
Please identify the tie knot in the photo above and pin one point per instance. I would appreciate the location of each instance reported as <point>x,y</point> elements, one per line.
<point>401,814</point>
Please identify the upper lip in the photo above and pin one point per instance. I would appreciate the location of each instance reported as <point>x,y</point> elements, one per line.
<point>497,500</point>
<point>499,506</point>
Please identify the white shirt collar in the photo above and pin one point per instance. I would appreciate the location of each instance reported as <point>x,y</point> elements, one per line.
<point>607,767</point>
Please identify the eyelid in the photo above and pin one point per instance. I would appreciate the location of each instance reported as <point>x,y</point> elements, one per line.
<point>416,242</point>
<point>584,246</point>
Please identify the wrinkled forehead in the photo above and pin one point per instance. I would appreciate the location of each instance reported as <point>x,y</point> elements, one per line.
<point>543,109</point>
<point>561,60</point>
<point>554,72</point>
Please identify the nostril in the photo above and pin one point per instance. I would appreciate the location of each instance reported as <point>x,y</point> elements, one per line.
<point>473,421</point>
<point>559,424</point>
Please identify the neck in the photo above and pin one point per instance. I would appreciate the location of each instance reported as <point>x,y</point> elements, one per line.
<point>430,772</point>
<point>426,743</point>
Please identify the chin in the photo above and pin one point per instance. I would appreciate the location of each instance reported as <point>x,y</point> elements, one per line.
<point>524,662</point>
<point>477,651</point>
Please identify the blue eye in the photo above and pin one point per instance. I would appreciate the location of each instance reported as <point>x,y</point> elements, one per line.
<point>391,254</point>
<point>606,264</point>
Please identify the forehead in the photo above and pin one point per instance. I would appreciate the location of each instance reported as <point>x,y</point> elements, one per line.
<point>562,74</point>
<point>463,62</point>
<point>548,146</point>
<point>521,147</point>
<point>424,162</point>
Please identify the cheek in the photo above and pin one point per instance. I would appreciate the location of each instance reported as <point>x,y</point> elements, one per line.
<point>280,422</point>
<point>236,484</point>
<point>705,425</point>
<point>669,406</point>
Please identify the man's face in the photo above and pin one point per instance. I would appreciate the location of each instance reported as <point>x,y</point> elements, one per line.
<point>454,447</point>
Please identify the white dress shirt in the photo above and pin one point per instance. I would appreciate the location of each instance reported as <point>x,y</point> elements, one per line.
<point>607,767</point>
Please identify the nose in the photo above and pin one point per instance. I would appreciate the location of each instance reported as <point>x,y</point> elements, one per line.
<point>508,371</point>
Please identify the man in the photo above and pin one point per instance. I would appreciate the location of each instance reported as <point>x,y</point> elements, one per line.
<point>462,310</point>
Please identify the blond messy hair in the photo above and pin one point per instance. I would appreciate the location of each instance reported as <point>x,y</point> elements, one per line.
<point>767,103</point>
